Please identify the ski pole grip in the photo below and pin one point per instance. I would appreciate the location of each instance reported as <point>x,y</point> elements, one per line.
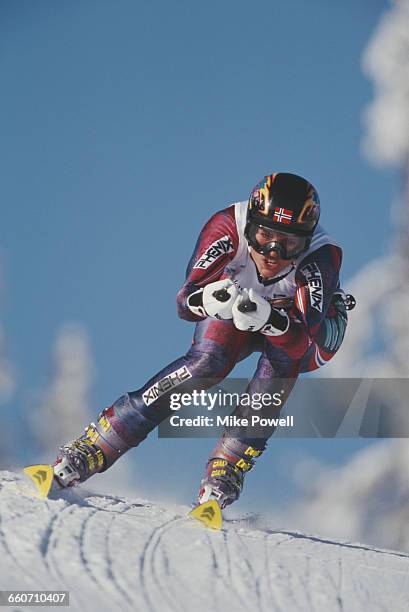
<point>221,295</point>
<point>350,302</point>
<point>247,306</point>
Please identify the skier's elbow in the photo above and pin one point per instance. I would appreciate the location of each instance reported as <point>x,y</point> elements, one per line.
<point>183,309</point>
<point>294,342</point>
<point>185,314</point>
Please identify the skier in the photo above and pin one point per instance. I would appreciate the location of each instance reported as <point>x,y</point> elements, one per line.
<point>264,276</point>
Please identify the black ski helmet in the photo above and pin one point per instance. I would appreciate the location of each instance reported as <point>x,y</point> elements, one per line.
<point>283,202</point>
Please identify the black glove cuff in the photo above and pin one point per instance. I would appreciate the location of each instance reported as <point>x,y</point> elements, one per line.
<point>195,303</point>
<point>278,320</point>
<point>277,324</point>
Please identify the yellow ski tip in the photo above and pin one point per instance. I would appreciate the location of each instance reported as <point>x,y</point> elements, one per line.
<point>209,514</point>
<point>42,477</point>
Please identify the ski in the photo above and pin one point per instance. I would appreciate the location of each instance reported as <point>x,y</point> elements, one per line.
<point>42,476</point>
<point>209,514</point>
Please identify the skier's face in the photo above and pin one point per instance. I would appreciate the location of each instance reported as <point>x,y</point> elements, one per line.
<point>269,265</point>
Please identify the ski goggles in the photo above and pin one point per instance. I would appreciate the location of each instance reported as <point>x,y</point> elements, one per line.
<point>265,239</point>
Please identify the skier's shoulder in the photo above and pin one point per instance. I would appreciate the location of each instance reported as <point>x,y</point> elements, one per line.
<point>324,250</point>
<point>223,224</point>
<point>223,217</point>
<point>217,243</point>
<point>321,237</point>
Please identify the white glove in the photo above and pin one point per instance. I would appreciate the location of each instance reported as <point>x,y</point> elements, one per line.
<point>219,297</point>
<point>251,312</point>
<point>214,300</point>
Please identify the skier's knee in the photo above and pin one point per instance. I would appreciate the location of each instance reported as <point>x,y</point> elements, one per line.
<point>212,363</point>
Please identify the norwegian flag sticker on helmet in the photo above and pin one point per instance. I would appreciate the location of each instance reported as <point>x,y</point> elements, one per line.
<point>283,215</point>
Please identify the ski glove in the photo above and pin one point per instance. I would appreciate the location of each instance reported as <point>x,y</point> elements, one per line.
<point>332,330</point>
<point>214,300</point>
<point>251,312</point>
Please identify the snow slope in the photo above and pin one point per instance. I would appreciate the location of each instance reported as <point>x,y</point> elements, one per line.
<point>121,554</point>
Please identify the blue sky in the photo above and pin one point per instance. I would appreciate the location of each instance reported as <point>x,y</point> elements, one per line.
<point>125,125</point>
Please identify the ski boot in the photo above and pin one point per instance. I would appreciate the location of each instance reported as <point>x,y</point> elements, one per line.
<point>230,460</point>
<point>95,451</point>
<point>77,461</point>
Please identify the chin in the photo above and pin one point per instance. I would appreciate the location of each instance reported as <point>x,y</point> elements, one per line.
<point>270,271</point>
<point>267,272</point>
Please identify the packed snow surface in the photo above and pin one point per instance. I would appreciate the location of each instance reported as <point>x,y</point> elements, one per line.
<point>113,553</point>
